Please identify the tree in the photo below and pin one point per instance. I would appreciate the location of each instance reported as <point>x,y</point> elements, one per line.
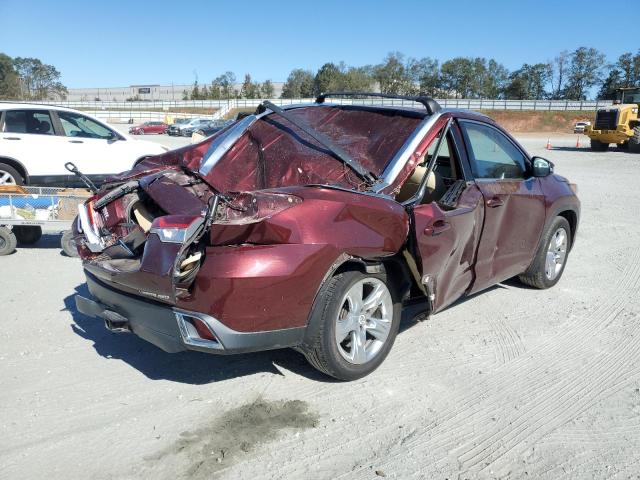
<point>529,82</point>
<point>299,84</point>
<point>9,80</point>
<point>357,79</point>
<point>38,81</point>
<point>393,76</point>
<point>459,77</point>
<point>195,91</point>
<point>585,71</point>
<point>425,76</point>
<point>495,79</point>
<point>624,73</point>
<point>328,79</point>
<point>559,68</point>
<point>249,89</point>
<point>267,90</point>
<point>610,85</point>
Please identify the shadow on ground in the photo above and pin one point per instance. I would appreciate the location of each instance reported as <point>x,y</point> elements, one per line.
<point>200,368</point>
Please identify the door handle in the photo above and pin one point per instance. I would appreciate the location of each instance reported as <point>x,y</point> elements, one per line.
<point>12,138</point>
<point>436,228</point>
<point>495,202</point>
<point>76,141</point>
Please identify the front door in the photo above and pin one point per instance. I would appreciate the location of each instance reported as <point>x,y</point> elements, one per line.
<point>446,236</point>
<point>95,149</point>
<point>513,202</point>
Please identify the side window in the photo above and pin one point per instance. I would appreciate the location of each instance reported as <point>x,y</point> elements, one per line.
<point>76,125</point>
<point>492,155</point>
<point>28,121</point>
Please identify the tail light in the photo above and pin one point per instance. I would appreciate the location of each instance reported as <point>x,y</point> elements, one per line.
<point>176,228</point>
<point>254,207</point>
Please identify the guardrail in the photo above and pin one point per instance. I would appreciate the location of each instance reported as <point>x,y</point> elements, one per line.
<point>223,106</point>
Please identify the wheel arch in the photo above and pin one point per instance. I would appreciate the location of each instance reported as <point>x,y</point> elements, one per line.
<point>571,217</point>
<point>18,166</point>
<point>395,267</point>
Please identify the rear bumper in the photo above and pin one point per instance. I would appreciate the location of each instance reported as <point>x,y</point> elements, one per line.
<point>164,326</point>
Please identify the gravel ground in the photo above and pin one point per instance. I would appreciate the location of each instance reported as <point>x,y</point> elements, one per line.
<point>512,382</point>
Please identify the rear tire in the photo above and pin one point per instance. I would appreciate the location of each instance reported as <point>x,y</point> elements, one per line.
<point>367,326</point>
<point>598,146</point>
<point>8,241</point>
<point>68,244</point>
<point>9,175</point>
<point>27,235</point>
<point>545,269</point>
<point>634,142</point>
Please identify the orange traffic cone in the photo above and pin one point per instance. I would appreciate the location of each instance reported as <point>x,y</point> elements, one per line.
<point>548,144</point>
<point>578,142</point>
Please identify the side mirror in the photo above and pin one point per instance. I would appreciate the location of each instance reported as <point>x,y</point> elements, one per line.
<point>542,167</point>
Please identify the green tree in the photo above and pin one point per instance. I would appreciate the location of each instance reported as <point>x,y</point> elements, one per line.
<point>299,84</point>
<point>559,69</point>
<point>529,82</point>
<point>267,90</point>
<point>425,76</point>
<point>328,79</point>
<point>9,80</point>
<point>357,79</point>
<point>585,71</point>
<point>610,85</point>
<point>38,80</point>
<point>393,76</point>
<point>195,91</point>
<point>459,77</point>
<point>494,80</point>
<point>249,89</point>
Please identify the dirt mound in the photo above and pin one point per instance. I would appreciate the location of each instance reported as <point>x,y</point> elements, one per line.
<point>535,121</point>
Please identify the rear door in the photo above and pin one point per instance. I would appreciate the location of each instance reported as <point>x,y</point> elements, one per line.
<point>513,201</point>
<point>27,135</point>
<point>446,236</point>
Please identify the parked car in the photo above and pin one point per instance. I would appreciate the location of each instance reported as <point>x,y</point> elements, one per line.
<point>312,226</point>
<point>202,133</point>
<point>580,126</point>
<point>149,127</point>
<point>37,140</point>
<point>185,129</point>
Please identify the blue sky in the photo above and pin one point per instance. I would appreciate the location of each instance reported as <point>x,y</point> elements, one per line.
<point>117,43</point>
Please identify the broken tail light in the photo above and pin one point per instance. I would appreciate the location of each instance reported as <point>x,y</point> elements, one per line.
<point>176,228</point>
<point>254,207</point>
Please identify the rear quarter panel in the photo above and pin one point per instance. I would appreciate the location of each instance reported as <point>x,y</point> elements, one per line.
<point>267,276</point>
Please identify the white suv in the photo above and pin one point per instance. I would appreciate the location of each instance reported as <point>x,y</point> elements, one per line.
<point>37,140</point>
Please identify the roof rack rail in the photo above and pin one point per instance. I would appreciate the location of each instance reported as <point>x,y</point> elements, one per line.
<point>429,103</point>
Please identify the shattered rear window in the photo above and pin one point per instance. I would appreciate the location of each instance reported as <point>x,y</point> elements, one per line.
<point>274,153</point>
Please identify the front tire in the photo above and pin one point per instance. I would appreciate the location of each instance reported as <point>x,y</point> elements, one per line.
<point>355,319</point>
<point>634,141</point>
<point>598,146</point>
<point>551,258</point>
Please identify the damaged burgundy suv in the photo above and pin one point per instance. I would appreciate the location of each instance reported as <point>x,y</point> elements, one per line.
<point>311,226</point>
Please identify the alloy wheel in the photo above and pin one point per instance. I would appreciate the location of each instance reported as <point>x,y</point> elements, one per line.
<point>6,178</point>
<point>556,254</point>
<point>364,321</point>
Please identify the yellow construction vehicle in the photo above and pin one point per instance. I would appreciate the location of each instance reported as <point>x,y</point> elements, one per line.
<point>619,123</point>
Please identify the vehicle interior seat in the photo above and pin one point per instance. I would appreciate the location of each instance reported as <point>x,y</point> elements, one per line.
<point>435,185</point>
<point>44,127</point>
